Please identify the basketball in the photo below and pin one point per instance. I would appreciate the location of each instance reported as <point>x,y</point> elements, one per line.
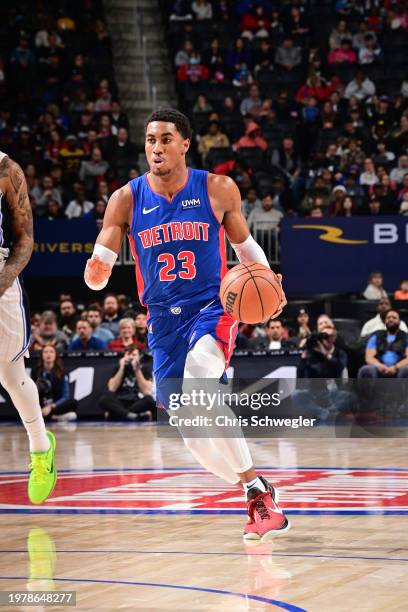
<point>251,293</point>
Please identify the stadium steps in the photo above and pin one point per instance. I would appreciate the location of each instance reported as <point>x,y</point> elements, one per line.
<point>127,20</point>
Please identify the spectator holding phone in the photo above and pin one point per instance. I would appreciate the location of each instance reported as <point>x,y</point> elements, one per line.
<point>130,390</point>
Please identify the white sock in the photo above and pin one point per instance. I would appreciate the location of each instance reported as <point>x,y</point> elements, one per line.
<point>256,483</point>
<point>24,395</point>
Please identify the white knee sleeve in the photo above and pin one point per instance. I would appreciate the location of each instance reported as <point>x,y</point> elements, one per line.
<point>205,360</point>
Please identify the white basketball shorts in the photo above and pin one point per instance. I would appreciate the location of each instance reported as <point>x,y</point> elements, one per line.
<point>15,326</point>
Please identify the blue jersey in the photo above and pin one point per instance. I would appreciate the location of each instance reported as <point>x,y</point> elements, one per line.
<point>178,244</point>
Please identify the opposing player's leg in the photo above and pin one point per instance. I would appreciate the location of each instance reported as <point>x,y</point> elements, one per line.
<point>207,360</point>
<point>24,395</point>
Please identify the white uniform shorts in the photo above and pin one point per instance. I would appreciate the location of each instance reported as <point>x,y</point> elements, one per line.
<point>15,326</point>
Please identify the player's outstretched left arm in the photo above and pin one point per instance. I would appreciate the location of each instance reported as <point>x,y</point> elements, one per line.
<point>14,186</point>
<point>225,194</point>
<point>115,223</point>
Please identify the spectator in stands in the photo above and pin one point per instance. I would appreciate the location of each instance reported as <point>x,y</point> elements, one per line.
<point>202,9</point>
<point>67,317</point>
<point>251,104</point>
<point>359,38</point>
<point>303,328</point>
<point>130,390</point>
<point>263,221</point>
<point>264,57</point>
<point>79,206</point>
<point>213,138</point>
<point>242,77</point>
<point>104,98</point>
<point>404,205</point>
<point>339,33</point>
<point>375,289</point>
<point>111,314</point>
<point>44,194</point>
<point>369,176</point>
<point>343,54</point>
<point>126,339</point>
<point>361,87</point>
<point>297,25</point>
<point>90,170</point>
<point>53,387</point>
<point>184,54</point>
<point>48,333</point>
<point>71,155</point>
<point>252,138</point>
<point>202,105</point>
<point>286,156</point>
<point>377,323</point>
<point>402,293</point>
<point>238,55</point>
<point>251,202</point>
<point>85,341</point>
<point>94,318</point>
<point>288,56</point>
<point>369,52</point>
<point>123,156</point>
<point>397,174</point>
<point>273,340</point>
<point>387,351</point>
<point>97,213</point>
<point>314,87</point>
<point>322,359</point>
<point>194,71</point>
<point>345,207</point>
<point>141,331</point>
<point>118,117</point>
<point>54,211</point>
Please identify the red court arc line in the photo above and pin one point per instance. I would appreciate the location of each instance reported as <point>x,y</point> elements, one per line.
<point>274,602</point>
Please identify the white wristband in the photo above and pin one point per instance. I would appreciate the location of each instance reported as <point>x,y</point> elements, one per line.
<point>106,255</point>
<point>249,251</point>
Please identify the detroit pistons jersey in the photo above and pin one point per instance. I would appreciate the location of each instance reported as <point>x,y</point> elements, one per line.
<point>178,244</point>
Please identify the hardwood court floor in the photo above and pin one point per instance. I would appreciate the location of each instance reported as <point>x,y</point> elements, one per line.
<point>188,554</point>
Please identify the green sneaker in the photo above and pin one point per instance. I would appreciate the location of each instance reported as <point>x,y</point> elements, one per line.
<point>43,473</point>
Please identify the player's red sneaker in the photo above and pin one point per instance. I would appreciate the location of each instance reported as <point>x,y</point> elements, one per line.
<point>265,519</point>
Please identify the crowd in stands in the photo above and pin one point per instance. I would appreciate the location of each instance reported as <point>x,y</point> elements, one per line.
<point>303,102</point>
<point>374,348</point>
<point>60,117</point>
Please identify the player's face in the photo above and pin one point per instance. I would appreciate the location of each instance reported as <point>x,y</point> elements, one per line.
<point>165,147</point>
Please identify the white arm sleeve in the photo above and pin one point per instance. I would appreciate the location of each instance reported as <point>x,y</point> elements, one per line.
<point>249,251</point>
<point>107,256</point>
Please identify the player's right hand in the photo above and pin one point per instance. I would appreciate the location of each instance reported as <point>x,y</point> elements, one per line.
<point>96,271</point>
<point>283,299</point>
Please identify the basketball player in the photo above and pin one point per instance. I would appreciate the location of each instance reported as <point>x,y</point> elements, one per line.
<point>16,245</point>
<point>177,218</point>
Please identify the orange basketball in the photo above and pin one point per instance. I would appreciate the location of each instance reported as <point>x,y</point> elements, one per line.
<point>251,293</point>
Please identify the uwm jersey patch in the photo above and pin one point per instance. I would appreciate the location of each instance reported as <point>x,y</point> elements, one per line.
<point>192,491</point>
<point>178,244</point>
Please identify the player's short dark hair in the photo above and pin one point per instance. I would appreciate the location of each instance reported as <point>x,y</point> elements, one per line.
<point>171,115</point>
